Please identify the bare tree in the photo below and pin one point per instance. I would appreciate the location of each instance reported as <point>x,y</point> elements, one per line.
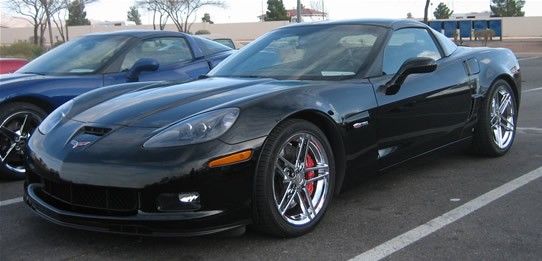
<point>158,11</point>
<point>35,13</point>
<point>181,12</point>
<point>318,5</point>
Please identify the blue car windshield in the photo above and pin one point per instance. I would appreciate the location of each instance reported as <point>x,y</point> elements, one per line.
<point>85,55</point>
<point>326,52</point>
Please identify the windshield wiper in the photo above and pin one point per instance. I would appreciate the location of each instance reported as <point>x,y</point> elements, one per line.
<point>249,76</point>
<point>34,73</point>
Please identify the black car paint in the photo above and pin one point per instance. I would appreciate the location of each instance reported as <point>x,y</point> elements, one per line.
<point>420,118</point>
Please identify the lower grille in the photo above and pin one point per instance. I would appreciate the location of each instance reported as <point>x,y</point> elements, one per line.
<point>110,200</point>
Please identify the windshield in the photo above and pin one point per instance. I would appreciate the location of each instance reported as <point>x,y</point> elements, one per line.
<point>306,52</point>
<point>84,55</point>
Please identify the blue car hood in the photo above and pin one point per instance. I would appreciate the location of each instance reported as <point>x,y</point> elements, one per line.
<point>14,77</point>
<point>163,104</point>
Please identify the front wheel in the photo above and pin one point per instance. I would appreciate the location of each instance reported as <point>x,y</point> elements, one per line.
<point>17,122</point>
<point>295,179</point>
<point>497,125</point>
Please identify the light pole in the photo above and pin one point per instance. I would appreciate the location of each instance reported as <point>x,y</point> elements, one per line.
<point>299,11</point>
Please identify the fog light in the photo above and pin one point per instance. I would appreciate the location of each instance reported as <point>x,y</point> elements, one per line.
<point>187,201</point>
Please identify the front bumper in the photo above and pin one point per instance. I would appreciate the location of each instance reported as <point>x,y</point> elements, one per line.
<point>141,223</point>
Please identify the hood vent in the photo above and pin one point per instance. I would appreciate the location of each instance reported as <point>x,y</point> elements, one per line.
<point>96,131</point>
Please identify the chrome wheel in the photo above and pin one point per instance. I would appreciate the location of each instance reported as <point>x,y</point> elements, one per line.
<point>502,118</point>
<point>494,134</point>
<point>301,179</point>
<point>15,130</point>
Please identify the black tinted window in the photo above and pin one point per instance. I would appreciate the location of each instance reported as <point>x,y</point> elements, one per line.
<point>209,47</point>
<point>408,43</point>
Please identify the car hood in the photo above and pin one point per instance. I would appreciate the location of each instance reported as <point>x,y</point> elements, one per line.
<point>15,77</point>
<point>162,104</point>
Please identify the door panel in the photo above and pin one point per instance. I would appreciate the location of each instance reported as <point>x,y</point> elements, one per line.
<point>429,111</point>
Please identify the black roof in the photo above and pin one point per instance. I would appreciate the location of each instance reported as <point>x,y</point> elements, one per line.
<point>385,22</point>
<point>140,33</point>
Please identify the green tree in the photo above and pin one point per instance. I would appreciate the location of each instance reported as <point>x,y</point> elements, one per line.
<point>77,14</point>
<point>207,18</point>
<point>276,11</point>
<point>506,8</point>
<point>442,11</point>
<point>409,15</point>
<point>134,16</point>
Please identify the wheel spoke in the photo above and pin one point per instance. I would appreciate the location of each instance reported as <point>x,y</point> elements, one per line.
<point>498,136</point>
<point>309,201</point>
<point>302,205</point>
<point>508,126</point>
<point>325,166</point>
<point>8,153</point>
<point>279,169</point>
<point>302,150</point>
<point>505,102</point>
<point>291,165</point>
<point>24,125</point>
<point>319,177</point>
<point>8,133</point>
<point>286,198</point>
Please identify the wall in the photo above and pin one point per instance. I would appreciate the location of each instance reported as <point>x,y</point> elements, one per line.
<point>512,27</point>
<point>522,26</point>
<point>237,31</point>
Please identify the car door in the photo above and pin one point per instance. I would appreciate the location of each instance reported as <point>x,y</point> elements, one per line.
<point>176,59</point>
<point>429,110</point>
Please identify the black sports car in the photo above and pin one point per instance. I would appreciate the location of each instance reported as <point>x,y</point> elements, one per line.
<point>269,135</point>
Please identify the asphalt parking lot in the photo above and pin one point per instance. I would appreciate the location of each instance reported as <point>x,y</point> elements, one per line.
<point>448,207</point>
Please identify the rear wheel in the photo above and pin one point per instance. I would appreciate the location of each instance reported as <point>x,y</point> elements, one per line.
<point>294,180</point>
<point>17,122</point>
<point>497,125</point>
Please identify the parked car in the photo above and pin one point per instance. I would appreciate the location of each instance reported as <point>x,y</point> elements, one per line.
<point>225,40</point>
<point>9,65</point>
<point>272,133</point>
<point>87,63</point>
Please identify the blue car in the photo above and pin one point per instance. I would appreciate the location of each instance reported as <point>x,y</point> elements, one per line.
<point>87,63</point>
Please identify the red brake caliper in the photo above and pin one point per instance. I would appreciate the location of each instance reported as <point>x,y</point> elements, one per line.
<point>309,163</point>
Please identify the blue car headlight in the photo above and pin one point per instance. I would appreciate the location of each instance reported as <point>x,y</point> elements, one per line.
<point>200,128</point>
<point>55,117</point>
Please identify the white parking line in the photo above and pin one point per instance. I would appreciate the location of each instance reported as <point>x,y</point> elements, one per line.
<point>530,58</point>
<point>11,201</point>
<point>432,226</point>
<point>532,90</point>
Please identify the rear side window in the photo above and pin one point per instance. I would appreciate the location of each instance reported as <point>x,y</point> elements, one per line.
<point>167,50</point>
<point>447,45</point>
<point>209,47</point>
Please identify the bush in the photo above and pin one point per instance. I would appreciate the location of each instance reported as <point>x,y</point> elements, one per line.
<point>202,32</point>
<point>484,35</point>
<point>21,50</point>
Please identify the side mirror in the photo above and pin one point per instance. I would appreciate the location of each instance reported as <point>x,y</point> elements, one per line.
<point>410,66</point>
<point>143,64</point>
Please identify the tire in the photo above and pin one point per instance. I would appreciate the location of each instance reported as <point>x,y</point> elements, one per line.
<point>18,121</point>
<point>281,188</point>
<point>496,127</point>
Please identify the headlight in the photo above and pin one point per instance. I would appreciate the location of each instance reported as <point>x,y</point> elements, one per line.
<point>55,117</point>
<point>201,128</point>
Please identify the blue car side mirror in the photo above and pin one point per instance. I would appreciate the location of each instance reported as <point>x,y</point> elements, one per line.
<point>143,64</point>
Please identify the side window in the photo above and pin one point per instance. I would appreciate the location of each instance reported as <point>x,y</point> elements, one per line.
<point>167,50</point>
<point>408,43</point>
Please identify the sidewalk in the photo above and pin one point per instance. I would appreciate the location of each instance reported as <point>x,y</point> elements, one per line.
<point>527,47</point>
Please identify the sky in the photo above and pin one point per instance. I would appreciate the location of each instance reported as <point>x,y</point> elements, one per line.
<point>237,11</point>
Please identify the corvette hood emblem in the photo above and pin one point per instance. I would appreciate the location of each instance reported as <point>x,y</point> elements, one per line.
<point>79,143</point>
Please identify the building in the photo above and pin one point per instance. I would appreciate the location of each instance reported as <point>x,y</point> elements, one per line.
<point>473,15</point>
<point>307,15</point>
